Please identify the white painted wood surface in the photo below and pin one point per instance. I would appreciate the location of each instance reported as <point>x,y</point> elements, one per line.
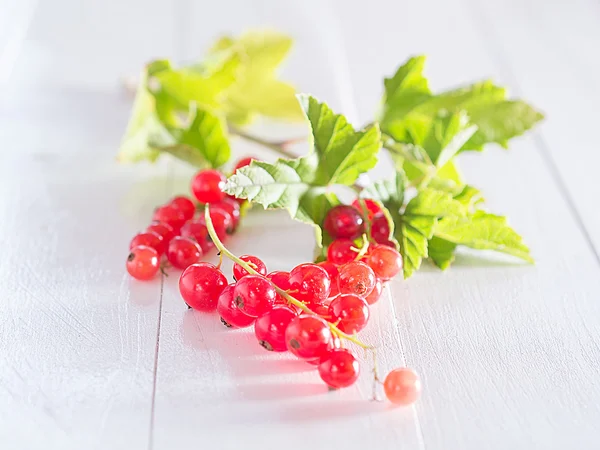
<point>509,354</point>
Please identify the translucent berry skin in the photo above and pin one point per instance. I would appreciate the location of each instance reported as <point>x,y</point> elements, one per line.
<point>344,221</point>
<point>335,343</point>
<point>333,272</point>
<point>356,278</point>
<point>308,337</point>
<point>339,368</point>
<point>142,262</point>
<point>197,231</point>
<point>270,328</point>
<point>243,162</point>
<point>385,261</point>
<point>207,186</point>
<point>185,205</point>
<point>372,207</point>
<point>254,295</point>
<point>171,215</point>
<point>149,239</point>
<point>282,281</point>
<point>239,272</point>
<point>340,252</point>
<point>201,285</point>
<point>310,283</point>
<point>375,294</point>
<point>162,229</point>
<point>221,220</point>
<point>380,228</point>
<point>233,208</point>
<point>402,386</point>
<point>183,252</point>
<point>350,312</point>
<point>229,312</point>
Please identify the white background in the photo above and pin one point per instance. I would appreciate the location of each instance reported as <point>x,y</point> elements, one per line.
<point>89,359</point>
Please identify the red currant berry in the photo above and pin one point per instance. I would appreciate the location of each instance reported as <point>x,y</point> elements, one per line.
<point>221,220</point>
<point>183,252</point>
<point>201,285</point>
<point>282,281</point>
<point>233,208</point>
<point>149,239</point>
<point>207,186</point>
<point>239,272</point>
<point>197,231</point>
<point>254,295</point>
<point>243,163</point>
<point>270,328</point>
<point>375,294</point>
<point>380,228</point>
<point>385,261</point>
<point>185,205</point>
<point>334,344</point>
<point>320,309</point>
<point>162,229</point>
<point>310,283</point>
<point>308,337</point>
<point>372,207</point>
<point>350,312</point>
<point>341,251</point>
<point>402,386</point>
<point>333,272</point>
<point>230,314</point>
<point>171,215</point>
<point>142,262</point>
<point>343,221</point>
<point>339,368</point>
<point>356,278</point>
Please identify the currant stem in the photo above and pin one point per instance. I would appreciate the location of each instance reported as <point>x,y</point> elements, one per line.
<point>291,300</point>
<point>278,147</point>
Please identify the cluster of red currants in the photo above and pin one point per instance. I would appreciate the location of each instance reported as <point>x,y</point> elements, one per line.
<point>179,232</point>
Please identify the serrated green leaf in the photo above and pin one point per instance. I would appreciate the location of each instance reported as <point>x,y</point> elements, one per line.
<point>483,231</point>
<point>441,252</point>
<point>430,202</point>
<point>470,197</point>
<point>387,190</point>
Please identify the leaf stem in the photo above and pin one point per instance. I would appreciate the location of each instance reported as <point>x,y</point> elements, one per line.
<point>277,146</point>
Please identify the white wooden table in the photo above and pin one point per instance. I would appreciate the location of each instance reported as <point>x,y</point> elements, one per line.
<point>509,354</point>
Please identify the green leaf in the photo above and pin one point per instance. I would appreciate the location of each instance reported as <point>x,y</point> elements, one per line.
<point>388,190</point>
<point>470,197</point>
<point>483,231</point>
<point>430,202</point>
<point>441,252</point>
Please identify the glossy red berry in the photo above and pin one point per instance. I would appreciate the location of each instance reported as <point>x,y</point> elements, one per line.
<point>356,278</point>
<point>197,231</point>
<point>310,283</point>
<point>201,285</point>
<point>171,215</point>
<point>308,337</point>
<point>375,294</point>
<point>243,162</point>
<point>207,186</point>
<point>335,343</point>
<point>239,272</point>
<point>344,221</point>
<point>350,312</point>
<point>282,281</point>
<point>254,295</point>
<point>231,315</point>
<point>233,208</point>
<point>142,262</point>
<point>385,261</point>
<point>380,228</point>
<point>183,252</point>
<point>185,205</point>
<point>339,368</point>
<point>402,386</point>
<point>162,229</point>
<point>372,207</point>
<point>149,239</point>
<point>341,251</point>
<point>333,272</point>
<point>270,328</point>
<point>221,220</point>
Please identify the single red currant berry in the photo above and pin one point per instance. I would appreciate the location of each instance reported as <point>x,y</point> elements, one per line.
<point>185,205</point>
<point>270,328</point>
<point>149,239</point>
<point>310,283</point>
<point>343,221</point>
<point>380,228</point>
<point>221,220</point>
<point>372,207</point>
<point>282,281</point>
<point>162,229</point>
<point>207,186</point>
<point>341,251</point>
<point>243,163</point>
<point>320,309</point>
<point>356,278</point>
<point>350,312</point>
<point>308,337</point>
<point>233,208</point>
<point>254,295</point>
<point>197,231</point>
<point>171,215</point>
<point>375,293</point>
<point>230,314</point>
<point>239,272</point>
<point>201,285</point>
<point>339,368</point>
<point>333,272</point>
<point>183,252</point>
<point>334,344</point>
<point>402,386</point>
<point>142,262</point>
<point>385,261</point>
